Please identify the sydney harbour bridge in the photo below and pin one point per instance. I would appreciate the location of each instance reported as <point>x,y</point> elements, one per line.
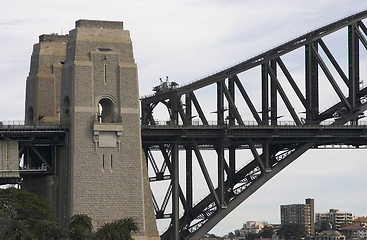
<point>212,120</point>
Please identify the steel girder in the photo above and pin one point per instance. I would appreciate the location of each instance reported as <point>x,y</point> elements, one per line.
<point>273,143</point>
<point>38,146</point>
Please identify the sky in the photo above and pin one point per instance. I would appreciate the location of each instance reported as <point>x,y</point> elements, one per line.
<point>187,40</point>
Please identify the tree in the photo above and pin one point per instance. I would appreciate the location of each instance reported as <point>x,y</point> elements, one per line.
<point>211,235</point>
<point>24,206</point>
<point>322,226</point>
<point>17,230</point>
<point>252,236</point>
<point>4,221</point>
<point>130,224</point>
<point>80,227</point>
<point>118,230</point>
<point>20,209</point>
<point>230,234</point>
<point>292,231</point>
<point>267,232</point>
<point>112,231</point>
<point>46,230</point>
<point>57,233</point>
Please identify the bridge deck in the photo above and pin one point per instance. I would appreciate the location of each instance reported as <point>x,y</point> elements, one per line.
<point>355,136</point>
<point>23,132</point>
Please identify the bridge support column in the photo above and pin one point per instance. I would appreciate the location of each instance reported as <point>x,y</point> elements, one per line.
<point>265,94</point>
<point>220,103</point>
<point>353,58</point>
<point>312,85</point>
<point>220,153</point>
<point>189,176</point>
<point>273,95</point>
<point>175,191</point>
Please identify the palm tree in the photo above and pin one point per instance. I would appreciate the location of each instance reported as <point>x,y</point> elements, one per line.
<point>112,231</point>
<point>80,227</point>
<point>46,230</point>
<point>17,230</point>
<point>118,230</point>
<point>130,224</point>
<point>43,229</point>
<point>4,221</point>
<point>57,233</point>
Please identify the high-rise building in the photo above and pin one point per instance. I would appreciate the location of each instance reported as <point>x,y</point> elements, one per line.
<point>300,214</point>
<point>336,218</point>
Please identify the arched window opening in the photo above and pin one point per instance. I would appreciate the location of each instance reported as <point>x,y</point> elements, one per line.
<point>105,111</point>
<point>30,116</point>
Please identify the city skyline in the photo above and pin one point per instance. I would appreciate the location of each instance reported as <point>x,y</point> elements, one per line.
<point>185,40</point>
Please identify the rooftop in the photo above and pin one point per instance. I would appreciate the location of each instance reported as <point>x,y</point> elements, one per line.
<point>82,23</point>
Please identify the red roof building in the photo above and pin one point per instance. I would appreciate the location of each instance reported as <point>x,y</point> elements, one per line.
<point>354,231</point>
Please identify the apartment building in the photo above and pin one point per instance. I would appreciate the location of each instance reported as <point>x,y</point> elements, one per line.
<point>300,214</point>
<point>336,218</point>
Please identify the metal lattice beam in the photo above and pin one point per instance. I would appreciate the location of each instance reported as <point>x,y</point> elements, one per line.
<point>273,143</point>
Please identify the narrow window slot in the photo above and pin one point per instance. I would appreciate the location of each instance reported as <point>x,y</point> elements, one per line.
<point>105,74</point>
<point>103,162</point>
<point>111,163</point>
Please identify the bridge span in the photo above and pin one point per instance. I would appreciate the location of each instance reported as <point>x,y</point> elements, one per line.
<point>248,103</point>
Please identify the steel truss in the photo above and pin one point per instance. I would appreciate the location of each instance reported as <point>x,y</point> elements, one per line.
<point>38,149</point>
<point>272,143</point>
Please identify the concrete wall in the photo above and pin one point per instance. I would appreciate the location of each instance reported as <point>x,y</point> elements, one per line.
<point>9,159</point>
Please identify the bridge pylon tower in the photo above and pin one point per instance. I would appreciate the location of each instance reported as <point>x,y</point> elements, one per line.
<point>103,172</point>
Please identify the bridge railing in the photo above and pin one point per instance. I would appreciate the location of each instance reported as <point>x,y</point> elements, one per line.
<point>12,123</point>
<point>212,124</point>
<point>20,125</point>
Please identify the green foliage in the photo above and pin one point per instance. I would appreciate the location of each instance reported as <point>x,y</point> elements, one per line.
<point>267,232</point>
<point>24,216</point>
<point>292,231</point>
<point>17,230</point>
<point>210,235</point>
<point>22,205</point>
<point>21,212</point>
<point>112,231</point>
<point>130,224</point>
<point>118,230</point>
<point>80,227</point>
<point>252,236</point>
<point>46,230</point>
<point>4,221</point>
<point>322,226</point>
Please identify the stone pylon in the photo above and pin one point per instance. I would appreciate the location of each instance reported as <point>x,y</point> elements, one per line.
<point>44,79</point>
<point>102,172</point>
